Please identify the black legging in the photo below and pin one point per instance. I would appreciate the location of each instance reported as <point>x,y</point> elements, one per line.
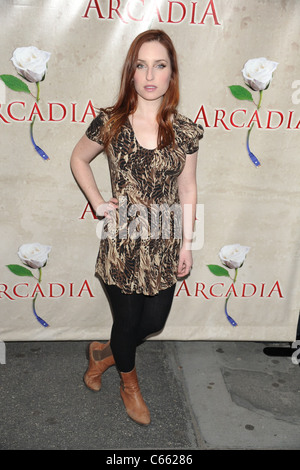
<point>135,316</point>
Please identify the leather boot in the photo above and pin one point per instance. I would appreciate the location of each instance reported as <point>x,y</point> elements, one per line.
<point>134,403</point>
<point>92,377</point>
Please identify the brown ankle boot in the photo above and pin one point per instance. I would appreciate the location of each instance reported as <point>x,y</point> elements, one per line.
<point>92,377</point>
<point>134,403</point>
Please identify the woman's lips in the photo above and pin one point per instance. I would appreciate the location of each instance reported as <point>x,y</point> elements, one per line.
<point>150,88</point>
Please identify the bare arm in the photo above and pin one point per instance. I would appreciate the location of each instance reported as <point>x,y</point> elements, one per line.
<point>187,188</point>
<point>84,152</point>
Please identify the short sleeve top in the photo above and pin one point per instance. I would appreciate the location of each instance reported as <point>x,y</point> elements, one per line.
<point>139,251</point>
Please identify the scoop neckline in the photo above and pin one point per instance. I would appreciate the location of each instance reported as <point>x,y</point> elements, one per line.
<point>135,138</point>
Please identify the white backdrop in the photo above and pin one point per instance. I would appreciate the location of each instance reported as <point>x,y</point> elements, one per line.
<point>253,206</point>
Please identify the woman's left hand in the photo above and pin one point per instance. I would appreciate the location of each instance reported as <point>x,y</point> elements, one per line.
<point>185,262</point>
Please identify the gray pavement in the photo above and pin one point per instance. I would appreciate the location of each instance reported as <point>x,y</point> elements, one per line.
<point>202,396</point>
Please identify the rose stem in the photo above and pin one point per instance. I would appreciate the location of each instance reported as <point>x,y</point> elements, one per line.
<point>33,303</point>
<point>231,320</point>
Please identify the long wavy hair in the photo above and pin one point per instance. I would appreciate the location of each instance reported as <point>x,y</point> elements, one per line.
<point>126,103</point>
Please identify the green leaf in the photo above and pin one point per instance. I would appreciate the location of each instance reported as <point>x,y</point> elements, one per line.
<point>241,93</point>
<point>19,270</point>
<point>218,270</point>
<point>14,83</point>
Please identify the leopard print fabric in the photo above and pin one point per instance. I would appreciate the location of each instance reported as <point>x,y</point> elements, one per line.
<point>139,247</point>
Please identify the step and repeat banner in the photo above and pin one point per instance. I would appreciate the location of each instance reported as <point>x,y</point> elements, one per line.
<point>239,78</point>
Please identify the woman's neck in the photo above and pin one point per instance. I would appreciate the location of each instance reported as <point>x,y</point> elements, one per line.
<point>147,109</point>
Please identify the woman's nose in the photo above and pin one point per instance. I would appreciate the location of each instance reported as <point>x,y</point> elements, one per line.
<point>149,74</point>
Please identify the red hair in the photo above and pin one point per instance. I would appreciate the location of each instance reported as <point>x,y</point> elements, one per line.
<point>126,103</point>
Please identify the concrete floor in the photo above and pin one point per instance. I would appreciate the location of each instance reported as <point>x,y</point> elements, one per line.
<point>202,396</point>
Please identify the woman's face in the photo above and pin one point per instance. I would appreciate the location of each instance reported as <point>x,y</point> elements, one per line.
<point>153,71</point>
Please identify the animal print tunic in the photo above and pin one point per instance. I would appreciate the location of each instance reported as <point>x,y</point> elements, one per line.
<point>140,243</point>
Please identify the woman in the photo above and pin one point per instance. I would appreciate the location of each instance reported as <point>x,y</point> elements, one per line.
<point>152,152</point>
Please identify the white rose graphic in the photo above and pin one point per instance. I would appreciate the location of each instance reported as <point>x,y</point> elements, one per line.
<point>31,63</point>
<point>258,73</point>
<point>34,255</point>
<point>233,256</point>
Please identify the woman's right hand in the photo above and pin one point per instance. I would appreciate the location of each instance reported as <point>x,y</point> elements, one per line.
<point>106,208</point>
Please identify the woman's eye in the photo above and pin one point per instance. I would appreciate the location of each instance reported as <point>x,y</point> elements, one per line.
<point>159,66</point>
